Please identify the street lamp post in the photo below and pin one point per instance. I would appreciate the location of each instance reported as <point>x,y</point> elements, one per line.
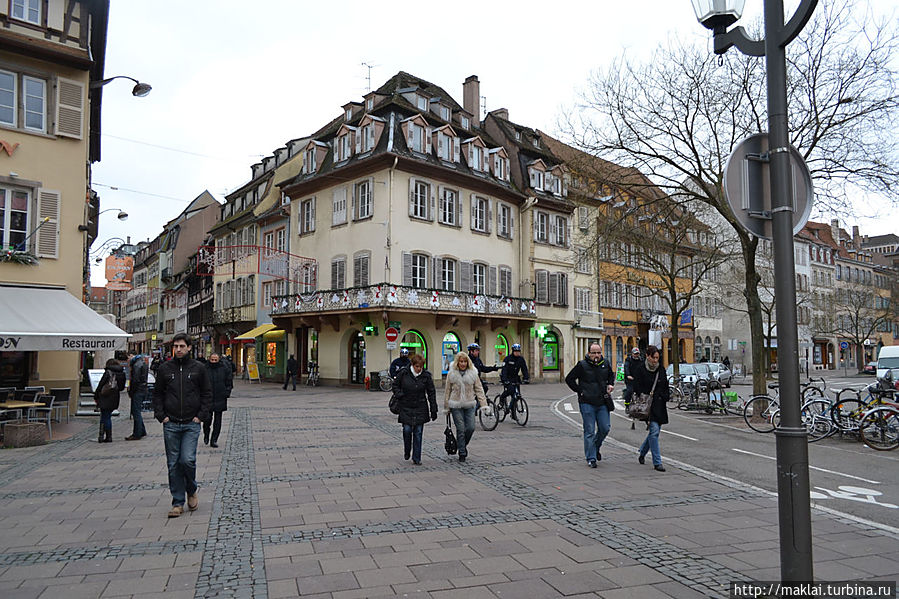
<point>792,447</point>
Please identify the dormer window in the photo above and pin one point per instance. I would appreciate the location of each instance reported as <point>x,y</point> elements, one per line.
<point>518,136</point>
<point>309,163</point>
<point>421,102</point>
<point>536,142</point>
<point>499,167</point>
<point>537,174</point>
<point>476,157</point>
<point>416,137</point>
<point>465,121</point>
<point>369,104</point>
<point>447,145</point>
<point>346,147</point>
<point>444,112</point>
<point>368,137</point>
<point>349,113</point>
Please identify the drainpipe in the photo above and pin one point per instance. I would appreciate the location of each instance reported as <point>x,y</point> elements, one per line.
<point>389,218</point>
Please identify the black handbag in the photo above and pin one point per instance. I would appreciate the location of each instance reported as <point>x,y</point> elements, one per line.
<point>394,403</point>
<point>451,446</point>
<point>641,403</point>
<point>610,403</point>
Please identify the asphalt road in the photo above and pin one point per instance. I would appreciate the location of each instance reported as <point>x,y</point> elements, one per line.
<point>844,474</point>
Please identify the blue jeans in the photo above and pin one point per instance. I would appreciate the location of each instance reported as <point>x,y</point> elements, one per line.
<point>412,440</point>
<point>137,404</point>
<point>463,419</point>
<point>290,377</point>
<point>651,443</point>
<point>181,456</point>
<point>106,419</point>
<point>596,426</point>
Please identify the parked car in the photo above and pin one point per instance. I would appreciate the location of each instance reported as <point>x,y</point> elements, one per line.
<point>721,373</point>
<point>692,373</point>
<point>871,368</point>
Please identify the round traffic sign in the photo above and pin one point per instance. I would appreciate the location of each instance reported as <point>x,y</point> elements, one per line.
<point>844,345</point>
<point>391,334</point>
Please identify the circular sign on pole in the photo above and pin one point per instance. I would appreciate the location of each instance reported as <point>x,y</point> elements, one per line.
<point>747,186</point>
<point>844,345</point>
<point>391,334</point>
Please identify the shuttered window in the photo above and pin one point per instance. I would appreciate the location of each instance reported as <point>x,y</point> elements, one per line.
<point>338,272</point>
<point>69,108</point>
<point>47,244</point>
<point>360,269</point>
<point>505,281</point>
<point>362,199</point>
<point>479,278</point>
<point>542,292</point>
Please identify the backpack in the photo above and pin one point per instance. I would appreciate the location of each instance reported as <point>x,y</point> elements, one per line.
<point>111,387</point>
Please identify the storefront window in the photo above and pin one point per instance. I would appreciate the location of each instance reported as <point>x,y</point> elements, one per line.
<point>451,346</point>
<point>550,352</point>
<point>619,351</point>
<point>271,354</point>
<point>816,356</point>
<point>415,343</point>
<point>501,349</point>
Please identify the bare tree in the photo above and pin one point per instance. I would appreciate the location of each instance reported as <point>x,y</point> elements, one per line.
<point>854,313</point>
<point>678,117</point>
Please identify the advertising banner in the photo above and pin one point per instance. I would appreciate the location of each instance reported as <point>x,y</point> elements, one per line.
<point>118,272</point>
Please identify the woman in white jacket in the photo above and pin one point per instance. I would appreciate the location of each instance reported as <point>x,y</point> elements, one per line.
<point>463,394</point>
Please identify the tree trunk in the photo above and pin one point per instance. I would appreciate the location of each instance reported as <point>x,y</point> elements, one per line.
<point>754,305</point>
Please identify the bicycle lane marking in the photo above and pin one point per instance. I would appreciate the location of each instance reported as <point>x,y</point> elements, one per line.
<point>767,457</point>
<point>732,482</point>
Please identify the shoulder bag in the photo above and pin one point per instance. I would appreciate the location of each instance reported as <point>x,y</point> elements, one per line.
<point>451,445</point>
<point>641,403</point>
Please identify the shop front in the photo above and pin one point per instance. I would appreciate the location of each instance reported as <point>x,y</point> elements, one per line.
<point>272,362</point>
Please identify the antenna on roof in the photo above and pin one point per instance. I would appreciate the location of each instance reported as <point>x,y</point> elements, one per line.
<point>369,67</point>
<point>483,106</point>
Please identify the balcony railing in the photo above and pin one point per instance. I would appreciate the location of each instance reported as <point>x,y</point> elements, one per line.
<point>399,297</point>
<point>235,314</point>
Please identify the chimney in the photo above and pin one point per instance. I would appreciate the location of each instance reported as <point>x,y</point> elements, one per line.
<point>502,113</point>
<point>855,236</point>
<point>471,97</point>
<point>835,229</point>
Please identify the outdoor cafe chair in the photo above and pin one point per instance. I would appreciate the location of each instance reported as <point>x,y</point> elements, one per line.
<point>43,413</point>
<point>61,404</point>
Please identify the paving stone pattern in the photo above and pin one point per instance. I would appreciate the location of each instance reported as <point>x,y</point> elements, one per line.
<point>309,496</point>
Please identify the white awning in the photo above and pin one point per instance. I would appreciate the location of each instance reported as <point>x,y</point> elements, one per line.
<point>47,319</point>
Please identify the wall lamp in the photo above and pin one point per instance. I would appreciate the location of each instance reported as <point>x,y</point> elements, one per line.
<point>122,215</point>
<point>140,89</point>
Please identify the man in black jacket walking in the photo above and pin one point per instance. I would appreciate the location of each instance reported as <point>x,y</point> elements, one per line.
<point>182,399</point>
<point>137,391</point>
<point>593,380</point>
<point>292,369</point>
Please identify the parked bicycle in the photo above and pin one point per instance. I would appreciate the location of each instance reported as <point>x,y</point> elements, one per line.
<point>499,409</point>
<point>384,380</point>
<point>312,377</point>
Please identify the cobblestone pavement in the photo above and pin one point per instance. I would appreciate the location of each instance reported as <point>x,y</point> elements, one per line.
<point>308,495</point>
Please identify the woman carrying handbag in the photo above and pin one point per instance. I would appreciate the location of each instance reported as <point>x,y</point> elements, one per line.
<point>417,401</point>
<point>650,378</point>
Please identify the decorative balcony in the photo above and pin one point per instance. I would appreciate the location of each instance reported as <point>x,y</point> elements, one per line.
<point>235,314</point>
<point>324,306</point>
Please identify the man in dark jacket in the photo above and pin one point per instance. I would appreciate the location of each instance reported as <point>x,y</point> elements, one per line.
<point>137,391</point>
<point>593,380</point>
<point>182,399</point>
<point>292,369</point>
<point>402,362</point>
<point>222,381</point>
<point>512,365</point>
<point>632,362</point>
<point>474,353</point>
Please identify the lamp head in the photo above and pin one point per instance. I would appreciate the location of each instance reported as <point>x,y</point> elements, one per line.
<point>718,15</point>
<point>141,89</point>
<point>122,215</point>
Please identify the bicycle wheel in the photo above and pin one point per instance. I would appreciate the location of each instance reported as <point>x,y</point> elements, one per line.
<point>880,429</point>
<point>386,383</point>
<point>733,407</point>
<point>521,411</point>
<point>815,416</point>
<point>678,396</point>
<point>758,413</point>
<point>489,421</point>
<point>499,408</point>
<point>846,415</point>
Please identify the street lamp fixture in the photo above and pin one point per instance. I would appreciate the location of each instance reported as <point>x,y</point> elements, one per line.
<point>792,447</point>
<point>122,216</point>
<point>140,89</point>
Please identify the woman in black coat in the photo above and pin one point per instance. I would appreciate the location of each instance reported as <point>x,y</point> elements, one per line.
<point>648,373</point>
<point>417,401</point>
<point>221,380</point>
<point>107,399</point>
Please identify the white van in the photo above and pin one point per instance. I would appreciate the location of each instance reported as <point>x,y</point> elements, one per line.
<point>887,358</point>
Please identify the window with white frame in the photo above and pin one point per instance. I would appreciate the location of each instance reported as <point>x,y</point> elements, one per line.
<point>27,93</point>
<point>449,206</point>
<point>338,272</point>
<point>479,209</point>
<point>363,199</point>
<point>307,216</point>
<point>345,143</point>
<point>445,146</point>
<point>475,157</point>
<point>505,281</point>
<point>421,102</point>
<point>338,206</point>
<point>582,260</point>
<point>419,202</point>
<point>309,163</point>
<point>368,137</point>
<point>447,274</point>
<point>444,112</point>
<point>416,137</point>
<point>308,277</point>
<point>369,103</point>
<point>582,299</point>
<point>499,167</point>
<point>504,221</point>
<point>281,237</point>
<point>266,294</point>
<point>536,176</point>
<point>27,10</point>
<point>361,264</point>
<point>466,122</point>
<point>583,218</point>
<point>541,226</point>
<point>14,213</point>
<point>479,278</point>
<point>419,273</point>
<point>560,231</point>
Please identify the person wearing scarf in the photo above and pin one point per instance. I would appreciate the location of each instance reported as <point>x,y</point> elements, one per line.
<point>648,373</point>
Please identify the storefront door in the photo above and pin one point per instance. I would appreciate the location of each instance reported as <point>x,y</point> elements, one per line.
<point>550,352</point>
<point>357,359</point>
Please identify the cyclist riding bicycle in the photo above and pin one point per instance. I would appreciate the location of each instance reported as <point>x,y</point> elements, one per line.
<point>512,364</point>
<point>402,362</point>
<point>474,352</point>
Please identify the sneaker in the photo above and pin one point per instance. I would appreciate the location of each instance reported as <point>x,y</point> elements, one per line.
<point>641,458</point>
<point>193,502</point>
<point>659,467</point>
<point>592,463</point>
<point>176,511</point>
<point>461,458</point>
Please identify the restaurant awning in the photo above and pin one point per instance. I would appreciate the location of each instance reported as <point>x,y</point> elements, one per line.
<point>52,319</point>
<point>253,333</point>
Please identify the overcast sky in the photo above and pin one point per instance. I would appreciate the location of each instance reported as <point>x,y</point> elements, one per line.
<point>233,81</point>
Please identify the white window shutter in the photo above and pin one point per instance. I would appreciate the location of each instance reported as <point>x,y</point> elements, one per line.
<point>473,211</point>
<point>69,108</point>
<point>511,224</point>
<point>536,218</point>
<point>435,273</point>
<point>553,228</point>
<point>485,160</point>
<point>465,277</point>
<point>336,146</point>
<point>456,148</point>
<point>568,231</point>
<point>441,143</point>
<point>489,223</point>
<point>312,210</point>
<point>533,176</point>
<point>410,134</point>
<point>47,244</point>
<point>427,148</point>
<point>470,155</point>
<point>433,202</point>
<point>491,280</point>
<point>407,269</point>
<point>459,202</point>
<point>554,288</point>
<point>542,287</point>
<point>411,198</point>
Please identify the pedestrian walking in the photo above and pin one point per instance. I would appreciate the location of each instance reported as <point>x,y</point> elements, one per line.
<point>402,361</point>
<point>650,377</point>
<point>292,369</point>
<point>137,391</point>
<point>182,399</point>
<point>417,399</point>
<point>593,380</point>
<point>111,384</point>
<point>221,379</point>
<point>462,396</point>
<point>630,364</point>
